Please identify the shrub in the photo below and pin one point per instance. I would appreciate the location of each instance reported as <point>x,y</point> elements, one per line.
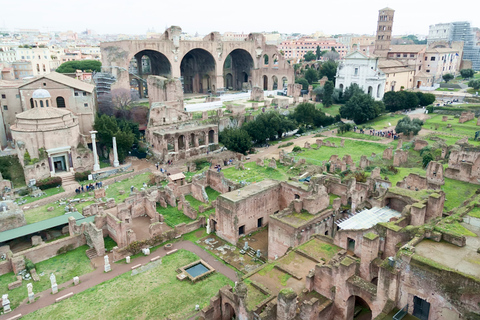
<point>360,176</point>
<point>82,176</point>
<point>29,265</point>
<point>49,183</point>
<point>26,158</point>
<point>285,145</point>
<point>297,149</point>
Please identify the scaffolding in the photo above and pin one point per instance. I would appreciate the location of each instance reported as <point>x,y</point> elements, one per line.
<point>462,31</point>
<point>103,81</point>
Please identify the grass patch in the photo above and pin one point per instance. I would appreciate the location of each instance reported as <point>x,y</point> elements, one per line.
<point>64,266</point>
<point>454,228</point>
<point>48,193</point>
<point>173,216</point>
<point>354,148</point>
<point>154,294</point>
<point>41,213</point>
<point>384,121</point>
<point>109,243</point>
<point>456,192</point>
<point>357,135</point>
<point>254,296</point>
<point>254,173</point>
<point>320,250</point>
<point>475,212</point>
<point>11,169</point>
<point>113,190</point>
<point>467,129</point>
<point>212,194</point>
<point>332,111</point>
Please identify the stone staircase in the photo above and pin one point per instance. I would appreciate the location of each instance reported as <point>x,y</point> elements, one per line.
<point>68,180</point>
<point>91,253</point>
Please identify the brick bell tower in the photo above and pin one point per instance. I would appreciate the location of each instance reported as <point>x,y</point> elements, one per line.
<point>384,32</point>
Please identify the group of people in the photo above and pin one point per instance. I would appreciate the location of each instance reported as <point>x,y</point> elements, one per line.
<point>384,134</point>
<point>88,187</point>
<point>160,168</point>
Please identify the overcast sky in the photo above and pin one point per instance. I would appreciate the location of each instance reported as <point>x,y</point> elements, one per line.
<point>303,16</point>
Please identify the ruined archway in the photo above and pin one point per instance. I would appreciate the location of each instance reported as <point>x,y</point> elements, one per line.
<point>229,81</point>
<point>396,204</point>
<point>191,142</point>
<point>211,136</point>
<point>228,312</point>
<point>195,66</point>
<point>285,82</point>
<point>370,91</point>
<point>201,139</point>
<point>145,63</point>
<point>275,82</point>
<point>358,309</point>
<point>240,65</point>
<point>181,142</point>
<point>265,83</point>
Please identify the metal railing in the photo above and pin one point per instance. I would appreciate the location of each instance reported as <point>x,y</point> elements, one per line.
<point>401,313</point>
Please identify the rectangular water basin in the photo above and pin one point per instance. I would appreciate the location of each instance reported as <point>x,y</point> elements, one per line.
<point>196,270</point>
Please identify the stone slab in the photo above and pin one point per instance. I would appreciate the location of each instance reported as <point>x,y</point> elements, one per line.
<point>68,295</point>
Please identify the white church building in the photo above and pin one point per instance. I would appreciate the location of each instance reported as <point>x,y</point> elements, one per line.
<point>362,70</point>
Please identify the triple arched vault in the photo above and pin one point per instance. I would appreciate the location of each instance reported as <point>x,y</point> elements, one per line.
<point>206,65</point>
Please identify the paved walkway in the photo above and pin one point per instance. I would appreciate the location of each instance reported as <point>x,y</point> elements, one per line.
<point>96,277</point>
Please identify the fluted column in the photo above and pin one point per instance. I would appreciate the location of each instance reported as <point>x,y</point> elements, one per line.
<point>96,165</point>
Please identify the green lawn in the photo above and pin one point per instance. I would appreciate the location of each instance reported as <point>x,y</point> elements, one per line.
<point>113,190</point>
<point>456,192</point>
<point>467,129</point>
<point>48,193</point>
<point>41,213</point>
<point>383,121</point>
<point>64,266</point>
<point>109,243</point>
<point>450,139</point>
<point>475,212</point>
<point>447,89</point>
<point>254,173</point>
<point>11,169</point>
<point>332,111</point>
<point>354,148</point>
<point>356,135</point>
<point>173,216</point>
<point>153,294</point>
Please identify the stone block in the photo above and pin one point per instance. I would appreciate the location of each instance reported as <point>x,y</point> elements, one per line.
<point>37,240</point>
<point>99,193</point>
<point>76,281</point>
<point>68,295</point>
<point>127,259</point>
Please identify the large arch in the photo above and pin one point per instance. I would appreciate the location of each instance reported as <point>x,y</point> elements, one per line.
<point>239,63</point>
<point>148,62</point>
<point>275,82</point>
<point>358,308</point>
<point>196,65</point>
<point>265,83</point>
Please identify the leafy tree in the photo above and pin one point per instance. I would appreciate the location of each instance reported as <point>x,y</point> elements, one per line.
<point>447,77</point>
<point>350,91</point>
<point>306,114</point>
<point>311,75</point>
<point>360,108</point>
<point>329,70</point>
<point>408,126</point>
<point>268,125</point>
<point>303,82</point>
<point>379,107</point>
<point>108,127</point>
<point>425,99</point>
<point>332,55</point>
<point>427,157</point>
<point>122,100</point>
<point>327,94</point>
<point>337,95</point>
<point>84,65</point>
<point>467,73</point>
<point>318,93</point>
<point>475,84</point>
<point>236,139</point>
<point>411,99</point>
<point>309,56</point>
<point>318,53</point>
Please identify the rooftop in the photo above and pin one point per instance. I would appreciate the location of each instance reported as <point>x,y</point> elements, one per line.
<point>250,190</point>
<point>369,218</point>
<point>38,226</point>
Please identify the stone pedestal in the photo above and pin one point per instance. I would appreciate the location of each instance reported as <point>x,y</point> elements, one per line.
<point>6,304</point>
<point>54,288</point>
<point>127,259</point>
<point>53,281</point>
<point>96,165</point>
<point>31,295</point>
<point>146,251</point>
<point>76,281</point>
<point>107,268</point>
<point>115,154</point>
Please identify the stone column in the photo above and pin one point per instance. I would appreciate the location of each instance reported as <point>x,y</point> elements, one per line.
<point>96,165</point>
<point>50,164</point>
<point>53,281</point>
<point>175,144</point>
<point>215,137</point>
<point>115,154</point>
<point>31,295</point>
<point>196,140</point>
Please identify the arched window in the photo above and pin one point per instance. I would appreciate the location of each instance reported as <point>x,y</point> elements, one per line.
<point>31,103</point>
<point>41,103</point>
<point>46,102</point>
<point>265,59</point>
<point>36,104</point>
<point>60,102</point>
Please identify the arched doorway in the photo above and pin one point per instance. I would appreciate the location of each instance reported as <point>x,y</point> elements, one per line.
<point>195,66</point>
<point>239,65</point>
<point>379,88</point>
<point>228,312</point>
<point>275,83</point>
<point>370,91</point>
<point>265,83</point>
<point>60,102</point>
<point>229,81</point>
<point>395,204</point>
<point>211,136</point>
<point>284,82</point>
<point>341,87</point>
<point>358,309</point>
<point>181,142</point>
<point>201,139</point>
<point>146,63</point>
<point>191,141</point>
